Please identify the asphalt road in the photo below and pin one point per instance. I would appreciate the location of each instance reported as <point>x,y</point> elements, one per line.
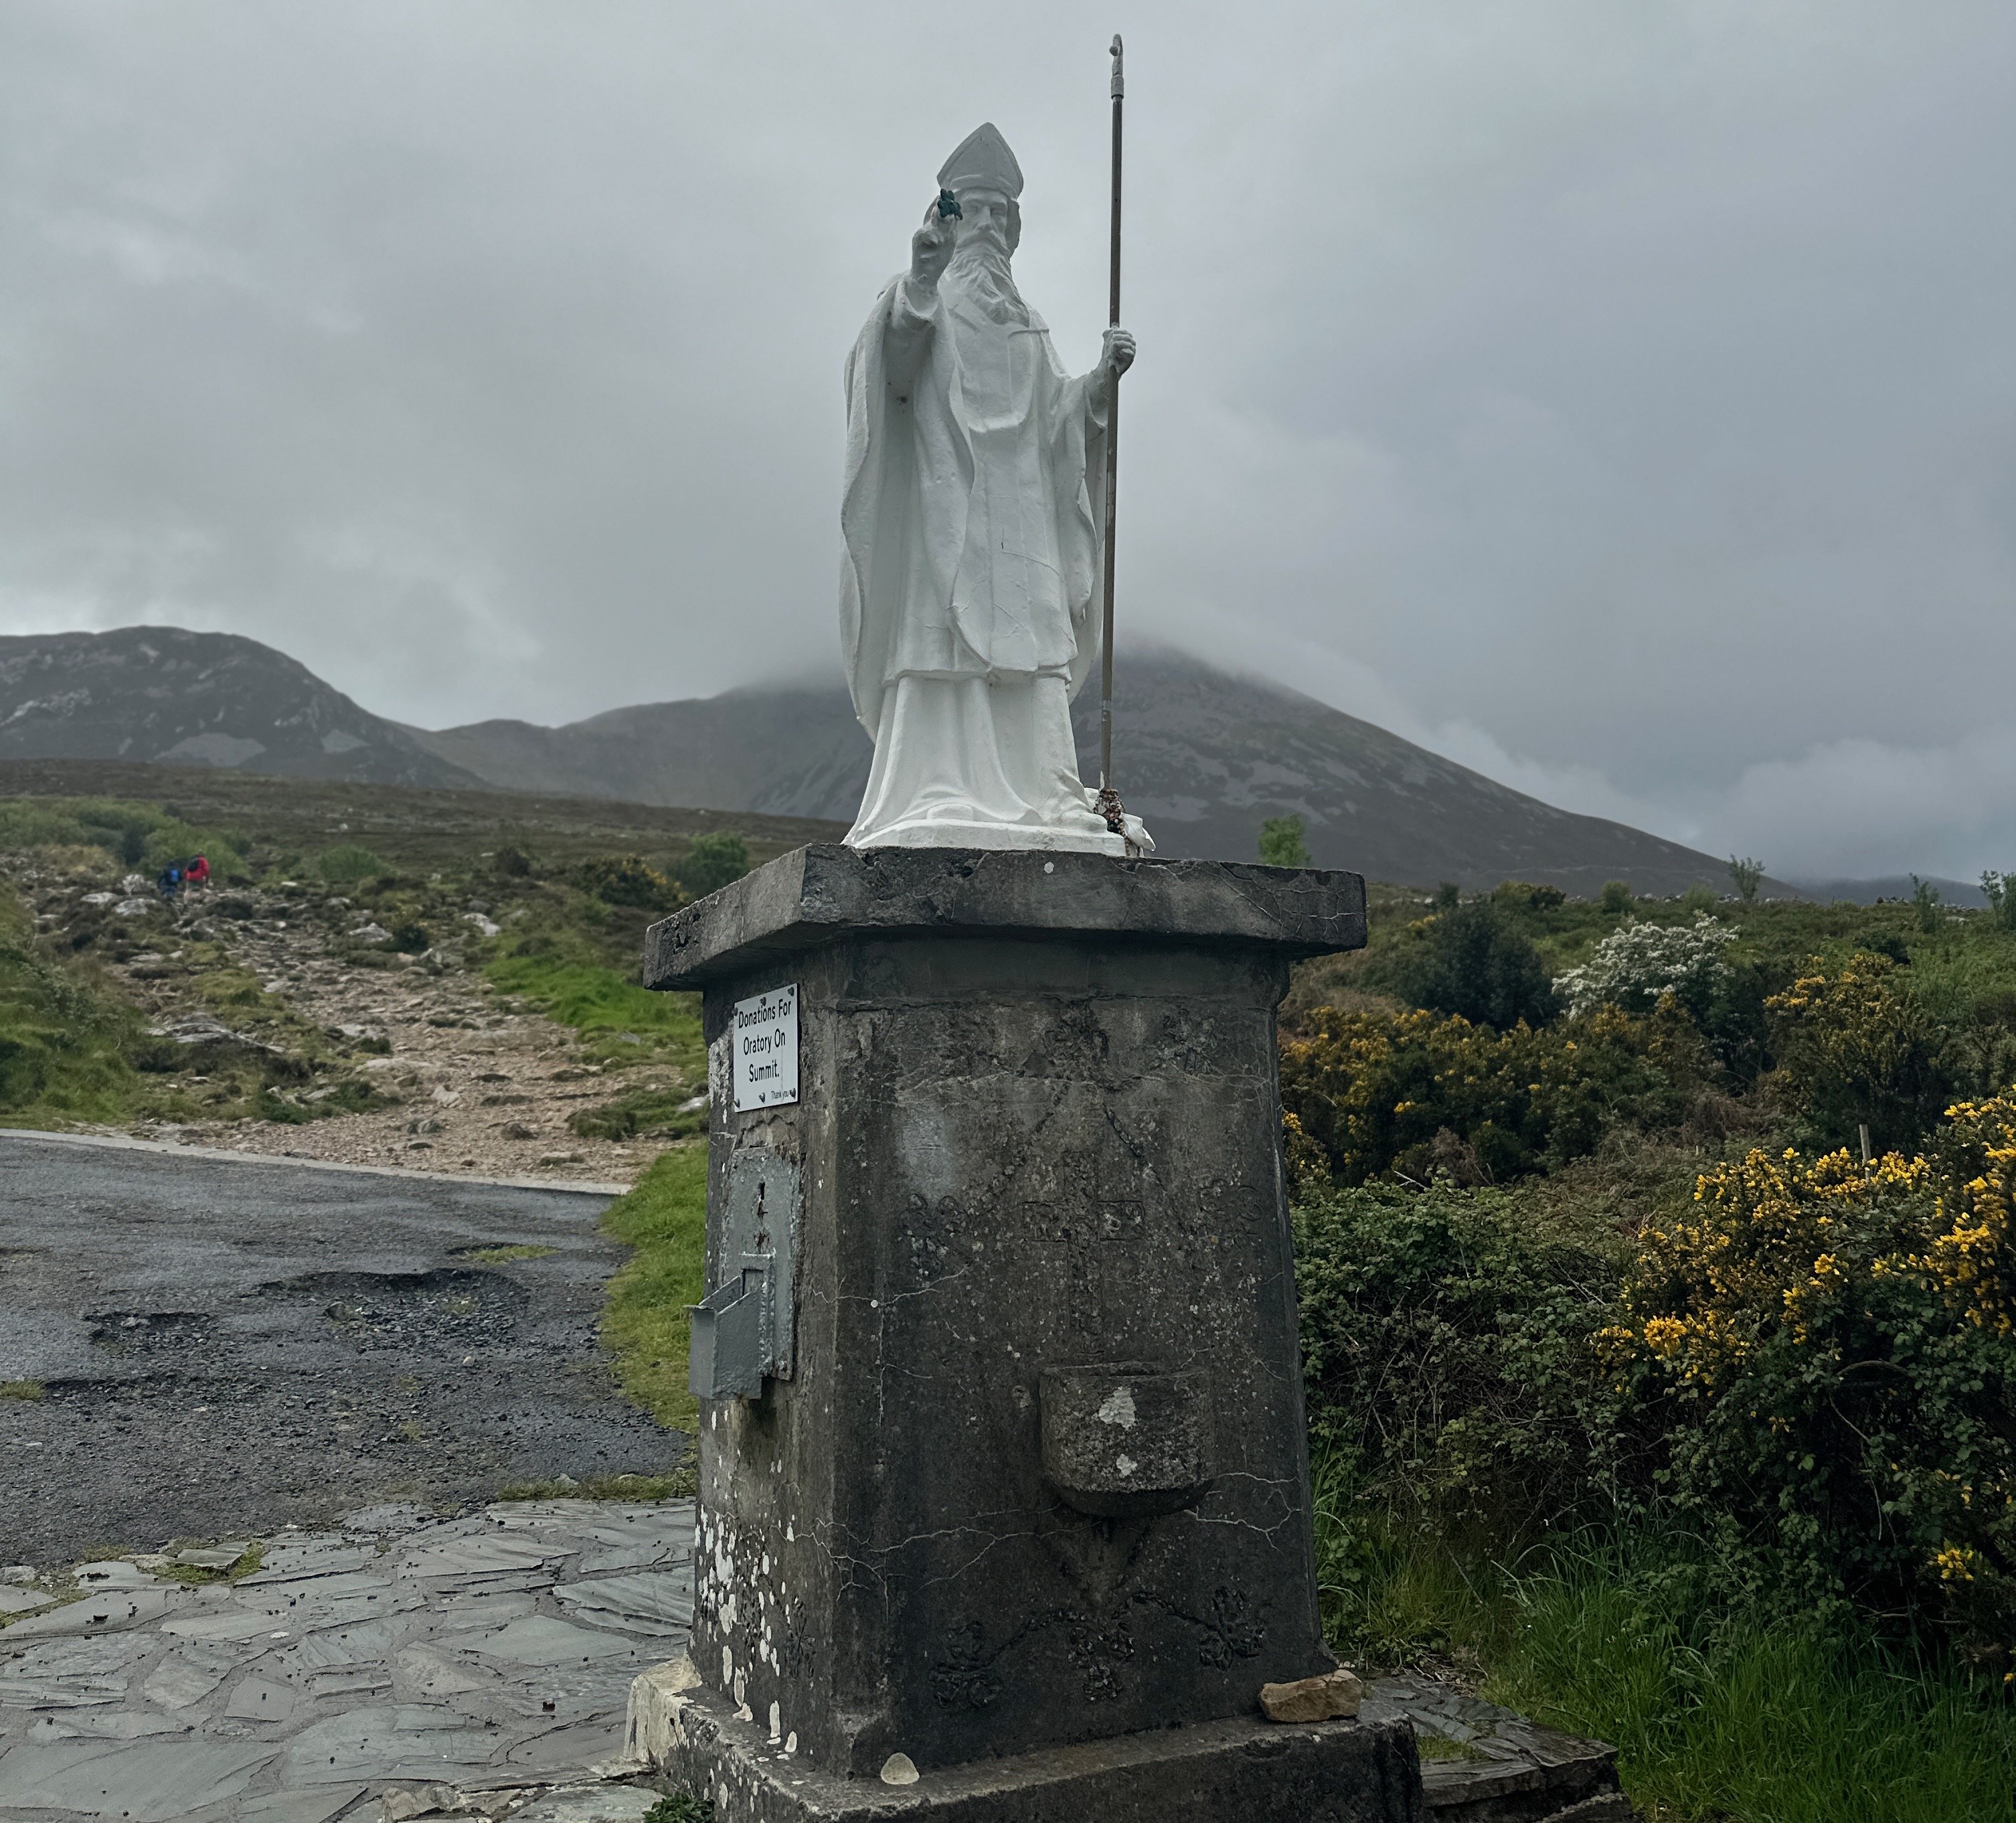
<point>226,1348</point>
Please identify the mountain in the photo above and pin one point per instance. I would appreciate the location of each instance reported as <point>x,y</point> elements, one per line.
<point>744,750</point>
<point>1962,893</point>
<point>164,694</point>
<point>1203,754</point>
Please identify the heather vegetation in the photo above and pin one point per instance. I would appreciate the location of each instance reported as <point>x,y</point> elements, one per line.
<point>1658,1284</point>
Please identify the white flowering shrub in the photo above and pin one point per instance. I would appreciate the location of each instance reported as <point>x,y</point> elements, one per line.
<point>1636,963</point>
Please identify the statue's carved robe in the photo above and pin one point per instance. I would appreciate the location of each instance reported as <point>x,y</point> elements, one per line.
<point>974,516</point>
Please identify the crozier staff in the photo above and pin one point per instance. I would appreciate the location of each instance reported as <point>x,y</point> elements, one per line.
<point>975,516</point>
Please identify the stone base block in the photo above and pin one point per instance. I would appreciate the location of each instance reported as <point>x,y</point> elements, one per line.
<point>1209,1772</point>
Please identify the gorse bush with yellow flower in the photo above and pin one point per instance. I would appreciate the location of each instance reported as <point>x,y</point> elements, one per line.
<point>1858,1048</point>
<point>1826,1348</point>
<point>1810,1370</point>
<point>1370,1093</point>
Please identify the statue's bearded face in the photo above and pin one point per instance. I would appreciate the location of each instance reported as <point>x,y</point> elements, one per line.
<point>989,227</point>
<point>989,220</point>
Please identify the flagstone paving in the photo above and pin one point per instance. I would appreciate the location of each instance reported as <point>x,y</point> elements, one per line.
<point>492,1653</point>
<point>398,1667</point>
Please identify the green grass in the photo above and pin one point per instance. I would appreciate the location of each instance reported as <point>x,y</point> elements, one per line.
<point>623,1023</point>
<point>504,1256</point>
<point>65,1039</point>
<point>681,1808</point>
<point>1715,1715</point>
<point>1730,1717</point>
<point>23,1389</point>
<point>648,1111</point>
<point>663,1220</point>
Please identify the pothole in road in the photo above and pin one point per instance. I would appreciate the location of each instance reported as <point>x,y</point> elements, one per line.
<point>125,1332</point>
<point>447,1309</point>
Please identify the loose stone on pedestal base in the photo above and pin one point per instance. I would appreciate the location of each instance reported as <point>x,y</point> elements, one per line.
<point>1231,1771</point>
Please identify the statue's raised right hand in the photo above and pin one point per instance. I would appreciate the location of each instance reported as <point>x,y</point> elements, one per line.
<point>931,246</point>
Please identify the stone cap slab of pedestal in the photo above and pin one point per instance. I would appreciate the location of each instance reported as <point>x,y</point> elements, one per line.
<point>822,894</point>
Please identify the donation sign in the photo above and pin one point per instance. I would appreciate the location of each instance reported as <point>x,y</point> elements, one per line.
<point>765,1034</point>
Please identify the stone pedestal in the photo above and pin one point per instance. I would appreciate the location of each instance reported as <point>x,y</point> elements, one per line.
<point>1010,1456</point>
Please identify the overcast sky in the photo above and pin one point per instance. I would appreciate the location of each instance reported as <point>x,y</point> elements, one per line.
<point>1618,396</point>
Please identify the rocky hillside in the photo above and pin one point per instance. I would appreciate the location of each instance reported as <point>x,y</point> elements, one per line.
<point>164,694</point>
<point>1203,754</point>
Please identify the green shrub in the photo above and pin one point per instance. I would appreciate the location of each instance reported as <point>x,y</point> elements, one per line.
<point>348,862</point>
<point>145,837</point>
<point>681,1808</point>
<point>1807,1369</point>
<point>1368,1093</point>
<point>1449,1349</point>
<point>1615,898</point>
<point>1284,842</point>
<point>1476,964</point>
<point>712,861</point>
<point>1926,903</point>
<point>2001,891</point>
<point>630,879</point>
<point>1885,943</point>
<point>1523,895</point>
<point>1857,1046</point>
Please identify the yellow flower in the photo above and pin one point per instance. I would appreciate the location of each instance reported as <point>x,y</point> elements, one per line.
<point>1955,1564</point>
<point>1664,1335</point>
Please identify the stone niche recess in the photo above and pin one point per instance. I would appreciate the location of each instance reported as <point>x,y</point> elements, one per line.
<point>1007,1456</point>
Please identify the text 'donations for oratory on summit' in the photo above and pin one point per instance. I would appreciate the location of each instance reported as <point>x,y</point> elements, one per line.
<point>765,1036</point>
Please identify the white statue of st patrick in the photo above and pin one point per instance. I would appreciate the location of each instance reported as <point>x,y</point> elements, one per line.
<point>974,515</point>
